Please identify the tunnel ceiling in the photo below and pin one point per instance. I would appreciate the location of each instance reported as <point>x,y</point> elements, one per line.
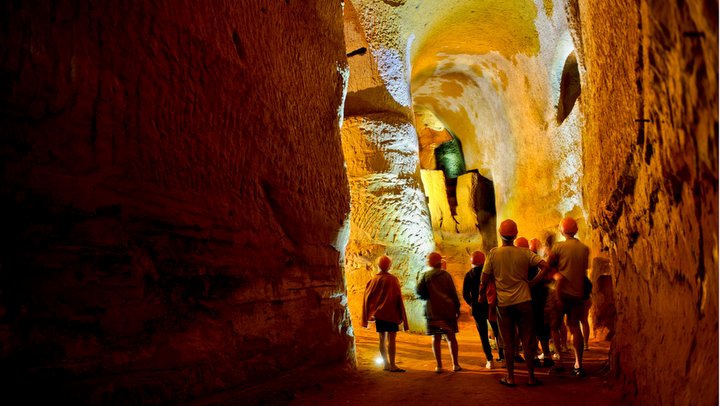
<point>462,27</point>
<point>490,72</point>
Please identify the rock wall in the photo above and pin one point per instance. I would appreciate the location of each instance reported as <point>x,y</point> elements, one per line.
<point>650,99</point>
<point>389,214</point>
<point>175,197</point>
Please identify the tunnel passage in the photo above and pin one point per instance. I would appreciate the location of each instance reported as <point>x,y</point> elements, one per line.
<point>185,215</point>
<point>512,97</point>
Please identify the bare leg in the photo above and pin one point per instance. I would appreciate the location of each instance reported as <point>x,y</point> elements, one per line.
<point>577,343</point>
<point>437,338</point>
<point>391,348</point>
<point>545,344</point>
<point>453,347</point>
<point>555,333</point>
<point>584,323</point>
<point>563,336</point>
<point>507,331</point>
<point>498,339</point>
<point>383,350</point>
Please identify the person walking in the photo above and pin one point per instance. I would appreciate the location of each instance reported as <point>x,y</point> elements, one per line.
<point>383,303</point>
<point>442,309</point>
<point>482,311</point>
<point>571,258</point>
<point>509,266</point>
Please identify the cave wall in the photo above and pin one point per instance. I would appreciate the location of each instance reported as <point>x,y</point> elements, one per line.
<point>389,214</point>
<point>650,98</point>
<point>175,196</point>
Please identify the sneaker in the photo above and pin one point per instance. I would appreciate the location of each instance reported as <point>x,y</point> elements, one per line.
<point>537,362</point>
<point>579,372</point>
<point>556,357</point>
<point>519,358</point>
<point>547,362</point>
<point>489,365</point>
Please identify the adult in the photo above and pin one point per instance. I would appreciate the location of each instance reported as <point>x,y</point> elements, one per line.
<point>442,309</point>
<point>483,311</point>
<point>509,266</point>
<point>539,294</point>
<point>571,258</point>
<point>383,303</point>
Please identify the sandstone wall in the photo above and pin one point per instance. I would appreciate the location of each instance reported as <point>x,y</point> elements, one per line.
<point>174,193</point>
<point>389,213</point>
<point>650,140</point>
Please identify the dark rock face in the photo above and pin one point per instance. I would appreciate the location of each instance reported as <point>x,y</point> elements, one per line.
<point>173,191</point>
<point>650,143</point>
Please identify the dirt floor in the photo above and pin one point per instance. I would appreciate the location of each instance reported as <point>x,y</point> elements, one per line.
<point>473,385</point>
<point>420,385</point>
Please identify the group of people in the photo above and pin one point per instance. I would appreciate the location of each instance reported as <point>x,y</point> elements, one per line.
<point>527,299</point>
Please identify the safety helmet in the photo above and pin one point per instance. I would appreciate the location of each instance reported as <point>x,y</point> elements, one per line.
<point>434,259</point>
<point>477,258</point>
<point>522,242</point>
<point>568,225</point>
<point>534,245</point>
<point>508,228</point>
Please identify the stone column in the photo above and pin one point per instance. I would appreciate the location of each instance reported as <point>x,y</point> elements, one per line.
<point>388,213</point>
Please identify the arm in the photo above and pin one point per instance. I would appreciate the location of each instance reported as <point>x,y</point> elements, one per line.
<point>365,310</point>
<point>467,282</point>
<point>544,271</point>
<point>401,305</point>
<point>485,279</point>
<point>421,289</point>
<point>454,296</point>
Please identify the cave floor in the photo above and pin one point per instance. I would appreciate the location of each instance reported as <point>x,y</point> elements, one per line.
<point>420,385</point>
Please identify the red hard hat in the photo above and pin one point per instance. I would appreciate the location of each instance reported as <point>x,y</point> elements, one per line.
<point>434,259</point>
<point>534,245</point>
<point>522,242</point>
<point>384,262</point>
<point>568,225</point>
<point>508,228</point>
<point>477,258</point>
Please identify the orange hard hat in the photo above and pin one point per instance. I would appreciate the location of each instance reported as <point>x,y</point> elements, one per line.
<point>534,245</point>
<point>508,228</point>
<point>384,262</point>
<point>477,258</point>
<point>568,225</point>
<point>522,242</point>
<point>434,259</point>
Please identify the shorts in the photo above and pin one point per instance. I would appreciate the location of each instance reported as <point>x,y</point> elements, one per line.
<point>382,326</point>
<point>573,307</point>
<point>441,327</point>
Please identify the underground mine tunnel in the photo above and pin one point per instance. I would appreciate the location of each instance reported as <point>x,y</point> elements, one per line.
<point>196,193</point>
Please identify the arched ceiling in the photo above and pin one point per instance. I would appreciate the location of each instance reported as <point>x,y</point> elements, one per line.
<point>490,72</point>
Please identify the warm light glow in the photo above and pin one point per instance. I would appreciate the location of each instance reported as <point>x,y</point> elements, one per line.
<point>379,360</point>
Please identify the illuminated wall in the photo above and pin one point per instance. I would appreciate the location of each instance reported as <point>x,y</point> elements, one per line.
<point>388,212</point>
<point>650,142</point>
